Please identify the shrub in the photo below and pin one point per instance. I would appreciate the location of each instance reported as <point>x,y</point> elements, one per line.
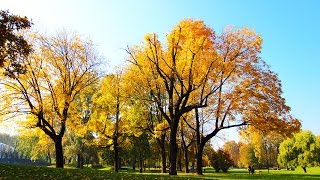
<point>221,161</point>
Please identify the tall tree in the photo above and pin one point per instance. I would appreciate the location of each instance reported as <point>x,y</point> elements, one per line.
<point>247,156</point>
<point>79,127</point>
<point>13,46</point>
<point>172,74</point>
<point>60,68</point>
<point>222,77</point>
<point>110,114</point>
<point>248,92</point>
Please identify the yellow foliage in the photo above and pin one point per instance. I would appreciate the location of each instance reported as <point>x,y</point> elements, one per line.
<point>160,128</point>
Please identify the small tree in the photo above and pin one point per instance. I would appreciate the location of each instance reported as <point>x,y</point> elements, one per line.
<point>221,160</point>
<point>233,148</point>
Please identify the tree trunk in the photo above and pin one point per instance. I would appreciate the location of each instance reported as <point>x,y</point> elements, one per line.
<point>49,158</point>
<point>59,152</point>
<point>193,164</point>
<point>116,154</point>
<point>199,159</point>
<point>161,143</point>
<point>115,136</point>
<point>180,160</point>
<point>140,162</point>
<point>173,150</point>
<point>134,164</point>
<point>163,161</point>
<point>119,161</point>
<point>185,151</point>
<point>186,160</point>
<point>198,147</point>
<point>304,169</point>
<point>80,160</point>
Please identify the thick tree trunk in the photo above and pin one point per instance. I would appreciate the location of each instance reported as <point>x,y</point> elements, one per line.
<point>59,152</point>
<point>116,154</point>
<point>173,151</point>
<point>199,159</point>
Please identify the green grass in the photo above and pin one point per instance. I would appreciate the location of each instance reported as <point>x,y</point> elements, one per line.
<point>33,172</point>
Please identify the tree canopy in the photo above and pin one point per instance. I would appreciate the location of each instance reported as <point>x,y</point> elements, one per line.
<point>300,150</point>
<point>58,70</point>
<point>221,75</point>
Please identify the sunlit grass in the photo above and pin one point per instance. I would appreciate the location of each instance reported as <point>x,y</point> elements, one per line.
<point>33,172</point>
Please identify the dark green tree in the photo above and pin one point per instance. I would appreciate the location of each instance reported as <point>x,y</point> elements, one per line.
<point>221,160</point>
<point>140,150</point>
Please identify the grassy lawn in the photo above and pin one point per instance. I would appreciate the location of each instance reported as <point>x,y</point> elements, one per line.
<point>33,172</point>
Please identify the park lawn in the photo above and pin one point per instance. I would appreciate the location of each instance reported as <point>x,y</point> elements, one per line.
<point>312,173</point>
<point>34,172</point>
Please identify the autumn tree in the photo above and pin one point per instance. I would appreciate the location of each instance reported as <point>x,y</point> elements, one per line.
<point>171,74</point>
<point>58,70</point>
<point>80,135</point>
<point>13,46</point>
<point>248,93</point>
<point>233,148</point>
<point>266,144</point>
<point>247,155</point>
<point>220,77</point>
<point>35,145</point>
<point>109,119</point>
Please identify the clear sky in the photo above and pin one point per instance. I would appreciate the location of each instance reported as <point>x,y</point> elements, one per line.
<point>290,29</point>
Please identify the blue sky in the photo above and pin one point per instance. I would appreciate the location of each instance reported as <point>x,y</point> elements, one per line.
<point>290,29</point>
